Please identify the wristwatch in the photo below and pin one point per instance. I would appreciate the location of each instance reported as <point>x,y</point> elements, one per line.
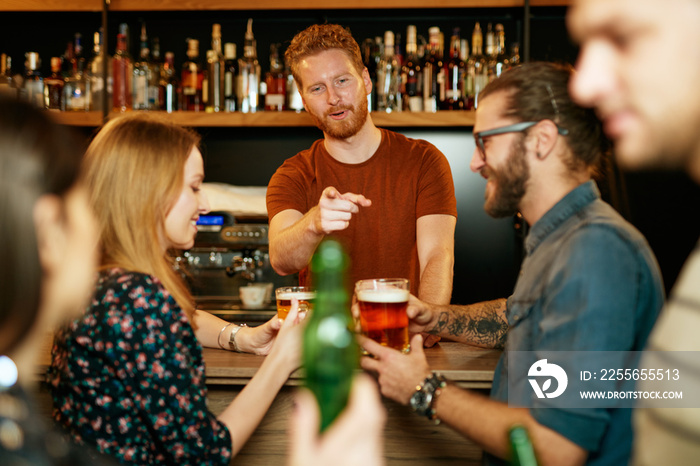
<point>423,399</point>
<point>232,338</point>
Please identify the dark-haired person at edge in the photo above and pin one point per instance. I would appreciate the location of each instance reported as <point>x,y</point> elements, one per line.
<point>390,199</point>
<point>652,115</point>
<point>588,282</point>
<point>48,245</point>
<point>128,376</point>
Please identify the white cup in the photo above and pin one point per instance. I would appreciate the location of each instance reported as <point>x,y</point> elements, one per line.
<point>253,296</point>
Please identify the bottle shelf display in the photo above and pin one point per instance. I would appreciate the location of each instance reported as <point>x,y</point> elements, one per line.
<point>223,5</point>
<point>150,84</point>
<point>403,109</point>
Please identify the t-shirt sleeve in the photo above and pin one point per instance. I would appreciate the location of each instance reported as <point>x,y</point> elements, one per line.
<point>287,189</point>
<point>436,191</point>
<point>170,394</point>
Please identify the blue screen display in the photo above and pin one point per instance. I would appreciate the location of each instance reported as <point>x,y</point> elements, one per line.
<point>210,220</point>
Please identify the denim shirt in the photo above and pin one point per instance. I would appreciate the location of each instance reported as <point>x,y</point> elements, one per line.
<point>589,281</point>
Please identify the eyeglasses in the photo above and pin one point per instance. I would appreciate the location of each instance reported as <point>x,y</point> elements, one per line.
<point>515,128</point>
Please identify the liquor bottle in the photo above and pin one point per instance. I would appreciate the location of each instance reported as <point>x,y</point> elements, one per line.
<point>122,70</point>
<point>124,29</point>
<point>490,53</point>
<point>522,451</point>
<point>68,64</point>
<point>433,73</point>
<point>294,101</point>
<point>330,353</point>
<point>366,51</point>
<point>96,76</point>
<point>33,83</point>
<point>142,77</point>
<point>376,52</point>
<point>399,50</point>
<point>455,69</point>
<point>388,78</point>
<point>156,65</point>
<point>7,87</point>
<point>167,86</point>
<point>276,82</point>
<point>412,75</point>
<point>249,74</point>
<point>467,86</point>
<point>76,92</point>
<point>205,80</point>
<point>476,66</point>
<point>192,77</point>
<point>53,87</point>
<point>215,72</point>
<point>490,48</point>
<point>79,61</point>
<point>230,76</point>
<point>514,54</point>
<point>498,61</point>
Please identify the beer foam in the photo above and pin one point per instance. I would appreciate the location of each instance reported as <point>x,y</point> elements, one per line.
<point>300,295</point>
<point>383,296</point>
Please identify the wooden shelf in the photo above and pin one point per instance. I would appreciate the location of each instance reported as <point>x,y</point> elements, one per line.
<point>78,118</point>
<point>302,119</point>
<point>224,5</point>
<point>551,2</point>
<point>455,118</point>
<point>137,5</point>
<point>230,5</point>
<point>50,5</point>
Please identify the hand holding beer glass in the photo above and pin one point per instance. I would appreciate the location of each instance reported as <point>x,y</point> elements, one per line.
<point>383,303</point>
<point>304,294</point>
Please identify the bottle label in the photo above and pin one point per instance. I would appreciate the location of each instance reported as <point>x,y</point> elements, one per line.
<point>228,84</point>
<point>415,104</point>
<point>140,96</point>
<point>275,101</point>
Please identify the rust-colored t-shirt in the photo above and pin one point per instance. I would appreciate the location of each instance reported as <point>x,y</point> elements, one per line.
<point>405,179</point>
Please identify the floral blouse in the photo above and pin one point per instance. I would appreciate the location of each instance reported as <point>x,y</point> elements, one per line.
<point>128,378</point>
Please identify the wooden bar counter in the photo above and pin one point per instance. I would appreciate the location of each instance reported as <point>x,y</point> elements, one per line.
<point>409,439</point>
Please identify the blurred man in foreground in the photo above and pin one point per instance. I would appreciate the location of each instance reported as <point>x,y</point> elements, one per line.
<point>651,111</point>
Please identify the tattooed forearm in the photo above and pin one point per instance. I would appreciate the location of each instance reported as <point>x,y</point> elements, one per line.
<point>482,324</point>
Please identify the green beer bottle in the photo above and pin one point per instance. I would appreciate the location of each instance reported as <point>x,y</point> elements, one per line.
<point>521,447</point>
<point>330,352</point>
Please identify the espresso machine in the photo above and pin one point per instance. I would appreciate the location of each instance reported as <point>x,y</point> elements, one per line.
<point>230,253</point>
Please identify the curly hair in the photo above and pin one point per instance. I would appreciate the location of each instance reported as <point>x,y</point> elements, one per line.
<point>318,38</point>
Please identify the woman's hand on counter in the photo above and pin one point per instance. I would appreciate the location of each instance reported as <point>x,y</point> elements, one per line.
<point>354,438</point>
<point>261,339</point>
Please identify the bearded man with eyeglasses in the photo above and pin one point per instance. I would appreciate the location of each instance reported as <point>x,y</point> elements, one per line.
<point>589,282</point>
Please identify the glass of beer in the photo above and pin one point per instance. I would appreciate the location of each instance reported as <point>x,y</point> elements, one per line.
<point>304,294</point>
<point>383,303</point>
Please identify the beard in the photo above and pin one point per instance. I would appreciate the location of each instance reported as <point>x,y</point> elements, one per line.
<point>347,127</point>
<point>509,181</point>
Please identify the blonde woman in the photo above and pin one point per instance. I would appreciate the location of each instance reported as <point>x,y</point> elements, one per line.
<point>128,377</point>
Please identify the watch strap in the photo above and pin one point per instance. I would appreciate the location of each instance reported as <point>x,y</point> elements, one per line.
<point>431,388</point>
<point>232,338</point>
